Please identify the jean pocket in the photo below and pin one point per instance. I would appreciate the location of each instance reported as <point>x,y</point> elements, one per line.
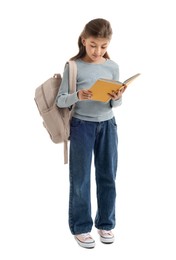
<point>113,122</point>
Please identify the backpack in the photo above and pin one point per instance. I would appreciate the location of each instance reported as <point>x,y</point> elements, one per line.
<point>56,120</point>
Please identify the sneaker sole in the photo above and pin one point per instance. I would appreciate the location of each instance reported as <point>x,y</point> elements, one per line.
<point>106,240</point>
<point>85,245</point>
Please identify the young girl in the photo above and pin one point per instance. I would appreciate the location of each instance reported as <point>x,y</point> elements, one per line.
<point>93,130</point>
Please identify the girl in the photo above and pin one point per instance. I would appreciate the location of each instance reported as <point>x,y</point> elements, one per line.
<point>93,130</point>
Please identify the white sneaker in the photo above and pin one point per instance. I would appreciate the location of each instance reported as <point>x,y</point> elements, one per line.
<point>106,236</point>
<point>85,240</point>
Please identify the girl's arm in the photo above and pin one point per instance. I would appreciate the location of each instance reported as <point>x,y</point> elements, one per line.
<point>64,99</point>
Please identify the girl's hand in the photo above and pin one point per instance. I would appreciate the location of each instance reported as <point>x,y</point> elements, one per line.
<point>117,95</point>
<point>84,94</point>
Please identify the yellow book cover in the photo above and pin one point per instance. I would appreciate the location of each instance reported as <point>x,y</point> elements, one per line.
<point>102,87</point>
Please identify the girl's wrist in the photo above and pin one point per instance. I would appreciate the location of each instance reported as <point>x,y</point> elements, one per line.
<point>78,94</point>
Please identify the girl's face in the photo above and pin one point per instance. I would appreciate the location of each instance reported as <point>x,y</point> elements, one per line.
<point>95,49</point>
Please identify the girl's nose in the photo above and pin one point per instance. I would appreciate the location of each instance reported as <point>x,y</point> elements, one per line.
<point>98,51</point>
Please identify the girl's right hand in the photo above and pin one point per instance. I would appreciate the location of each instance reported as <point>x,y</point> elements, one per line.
<point>84,94</point>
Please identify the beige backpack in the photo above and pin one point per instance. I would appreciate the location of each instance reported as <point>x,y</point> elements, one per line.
<point>56,120</point>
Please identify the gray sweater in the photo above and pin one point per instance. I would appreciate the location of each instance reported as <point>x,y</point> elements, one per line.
<point>87,74</point>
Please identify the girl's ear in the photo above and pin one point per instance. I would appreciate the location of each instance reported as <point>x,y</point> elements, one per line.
<point>83,40</point>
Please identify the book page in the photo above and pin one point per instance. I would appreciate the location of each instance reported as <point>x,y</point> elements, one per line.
<point>129,80</point>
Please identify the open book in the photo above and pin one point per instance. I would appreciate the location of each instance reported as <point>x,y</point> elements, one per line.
<point>102,87</point>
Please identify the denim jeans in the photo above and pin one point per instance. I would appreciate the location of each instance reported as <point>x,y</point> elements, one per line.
<point>101,139</point>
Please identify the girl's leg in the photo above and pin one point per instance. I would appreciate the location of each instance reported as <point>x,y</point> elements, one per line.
<point>106,166</point>
<point>81,146</point>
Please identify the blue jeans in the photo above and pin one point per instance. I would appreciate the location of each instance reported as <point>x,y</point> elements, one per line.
<point>85,138</point>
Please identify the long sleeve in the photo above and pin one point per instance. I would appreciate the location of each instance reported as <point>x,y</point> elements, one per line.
<point>64,99</point>
<point>116,103</point>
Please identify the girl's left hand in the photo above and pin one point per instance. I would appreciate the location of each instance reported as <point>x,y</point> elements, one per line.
<point>117,95</point>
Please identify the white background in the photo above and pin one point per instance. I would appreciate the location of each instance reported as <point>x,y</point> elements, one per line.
<point>37,38</point>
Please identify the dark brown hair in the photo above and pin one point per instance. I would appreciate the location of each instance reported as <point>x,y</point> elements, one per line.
<point>98,28</point>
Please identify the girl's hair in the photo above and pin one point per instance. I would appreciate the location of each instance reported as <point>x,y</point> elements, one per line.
<point>98,28</point>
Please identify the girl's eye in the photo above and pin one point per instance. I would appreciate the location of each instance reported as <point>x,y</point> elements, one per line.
<point>93,46</point>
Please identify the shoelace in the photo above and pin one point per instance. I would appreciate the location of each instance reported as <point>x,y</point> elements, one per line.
<point>86,235</point>
<point>107,232</point>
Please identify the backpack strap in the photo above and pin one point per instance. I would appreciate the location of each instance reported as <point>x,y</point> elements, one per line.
<point>72,83</point>
<point>66,152</point>
<point>72,75</point>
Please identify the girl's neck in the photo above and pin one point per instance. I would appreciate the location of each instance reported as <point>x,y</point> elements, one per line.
<point>88,60</point>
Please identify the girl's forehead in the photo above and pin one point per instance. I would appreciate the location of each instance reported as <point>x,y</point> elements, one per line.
<point>98,40</point>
